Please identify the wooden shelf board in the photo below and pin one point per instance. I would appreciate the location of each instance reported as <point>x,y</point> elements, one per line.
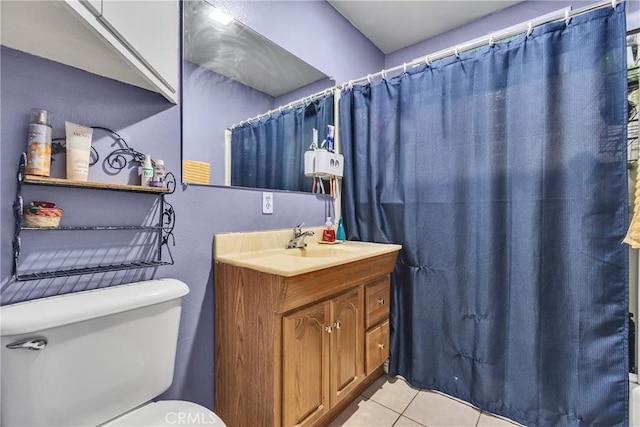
<point>41,180</point>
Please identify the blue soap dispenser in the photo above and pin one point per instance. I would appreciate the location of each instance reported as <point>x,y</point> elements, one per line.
<point>340,234</point>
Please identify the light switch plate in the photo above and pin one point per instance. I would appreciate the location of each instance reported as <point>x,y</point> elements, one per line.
<point>267,203</point>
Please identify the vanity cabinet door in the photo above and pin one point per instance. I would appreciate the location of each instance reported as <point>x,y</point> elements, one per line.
<point>346,359</point>
<point>305,365</point>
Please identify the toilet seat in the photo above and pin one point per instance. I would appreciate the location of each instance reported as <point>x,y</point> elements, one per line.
<point>168,413</point>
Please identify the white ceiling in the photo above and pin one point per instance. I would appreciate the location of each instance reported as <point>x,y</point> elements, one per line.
<point>394,24</point>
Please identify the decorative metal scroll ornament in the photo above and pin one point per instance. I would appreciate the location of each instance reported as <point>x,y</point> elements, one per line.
<point>116,161</point>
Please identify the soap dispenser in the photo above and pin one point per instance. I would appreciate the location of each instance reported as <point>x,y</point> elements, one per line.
<point>340,234</point>
<point>329,234</point>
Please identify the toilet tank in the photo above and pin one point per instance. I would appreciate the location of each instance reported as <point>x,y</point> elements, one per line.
<point>107,351</point>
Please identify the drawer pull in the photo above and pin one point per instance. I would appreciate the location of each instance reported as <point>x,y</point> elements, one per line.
<point>381,346</point>
<point>381,301</point>
<point>337,325</point>
<point>329,329</point>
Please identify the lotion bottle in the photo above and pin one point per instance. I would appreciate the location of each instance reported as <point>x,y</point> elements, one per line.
<point>78,148</point>
<point>340,234</point>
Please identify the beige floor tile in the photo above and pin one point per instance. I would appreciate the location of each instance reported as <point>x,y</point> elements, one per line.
<point>464,402</point>
<point>365,413</point>
<point>436,410</point>
<point>406,422</point>
<point>490,420</point>
<point>394,393</point>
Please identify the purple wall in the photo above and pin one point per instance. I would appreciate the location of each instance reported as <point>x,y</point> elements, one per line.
<point>152,125</point>
<point>514,15</point>
<point>211,103</point>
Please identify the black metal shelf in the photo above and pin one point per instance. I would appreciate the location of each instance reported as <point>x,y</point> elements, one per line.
<point>90,270</point>
<point>94,228</point>
<point>163,229</point>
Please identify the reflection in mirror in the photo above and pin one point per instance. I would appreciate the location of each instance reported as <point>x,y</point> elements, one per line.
<point>231,74</point>
<point>278,139</point>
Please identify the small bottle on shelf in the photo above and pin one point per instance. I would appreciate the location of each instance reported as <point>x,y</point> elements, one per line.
<point>158,175</point>
<point>147,172</point>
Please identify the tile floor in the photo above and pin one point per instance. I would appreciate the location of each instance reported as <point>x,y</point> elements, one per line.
<point>391,402</point>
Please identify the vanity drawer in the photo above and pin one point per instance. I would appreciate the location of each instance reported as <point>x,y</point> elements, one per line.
<point>377,342</point>
<point>377,300</point>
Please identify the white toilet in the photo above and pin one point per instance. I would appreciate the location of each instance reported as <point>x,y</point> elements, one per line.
<point>95,358</point>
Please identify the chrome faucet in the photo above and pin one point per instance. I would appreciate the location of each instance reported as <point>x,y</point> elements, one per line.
<point>298,237</point>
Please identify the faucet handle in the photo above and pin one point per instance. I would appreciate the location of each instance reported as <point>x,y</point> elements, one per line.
<point>298,228</point>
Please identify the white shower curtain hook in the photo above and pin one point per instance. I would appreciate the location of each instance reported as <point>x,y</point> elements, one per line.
<point>529,29</point>
<point>567,19</point>
<point>491,41</point>
<point>456,51</point>
<point>404,67</point>
<point>613,3</point>
<point>369,78</point>
<point>384,74</point>
<point>427,61</point>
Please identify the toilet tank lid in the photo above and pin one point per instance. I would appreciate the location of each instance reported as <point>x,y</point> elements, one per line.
<point>40,314</point>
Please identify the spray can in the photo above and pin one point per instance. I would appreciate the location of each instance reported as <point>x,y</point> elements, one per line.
<point>39,143</point>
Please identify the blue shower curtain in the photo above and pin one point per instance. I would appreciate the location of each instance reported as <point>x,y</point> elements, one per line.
<point>503,175</point>
<point>269,153</point>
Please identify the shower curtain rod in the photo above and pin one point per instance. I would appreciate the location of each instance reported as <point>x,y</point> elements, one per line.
<point>292,104</point>
<point>566,14</point>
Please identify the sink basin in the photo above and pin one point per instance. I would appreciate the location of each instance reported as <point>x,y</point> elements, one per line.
<point>265,251</point>
<point>318,251</point>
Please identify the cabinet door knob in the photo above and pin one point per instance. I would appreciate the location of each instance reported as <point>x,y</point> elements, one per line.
<point>329,329</point>
<point>381,346</point>
<point>337,324</point>
<point>381,301</point>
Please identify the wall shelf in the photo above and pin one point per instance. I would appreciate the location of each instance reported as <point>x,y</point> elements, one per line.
<point>40,180</point>
<point>95,228</point>
<point>163,229</point>
<point>90,270</point>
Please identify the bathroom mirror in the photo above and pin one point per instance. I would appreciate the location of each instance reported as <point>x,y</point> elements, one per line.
<point>231,74</point>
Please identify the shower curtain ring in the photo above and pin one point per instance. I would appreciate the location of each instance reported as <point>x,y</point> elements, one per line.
<point>456,51</point>
<point>404,67</point>
<point>613,3</point>
<point>427,61</point>
<point>384,74</point>
<point>567,19</point>
<point>369,78</point>
<point>491,42</point>
<point>529,29</point>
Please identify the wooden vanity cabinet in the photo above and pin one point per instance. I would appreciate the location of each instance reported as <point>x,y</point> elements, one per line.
<point>291,351</point>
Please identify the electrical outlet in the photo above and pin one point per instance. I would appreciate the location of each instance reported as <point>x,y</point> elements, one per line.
<point>267,203</point>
